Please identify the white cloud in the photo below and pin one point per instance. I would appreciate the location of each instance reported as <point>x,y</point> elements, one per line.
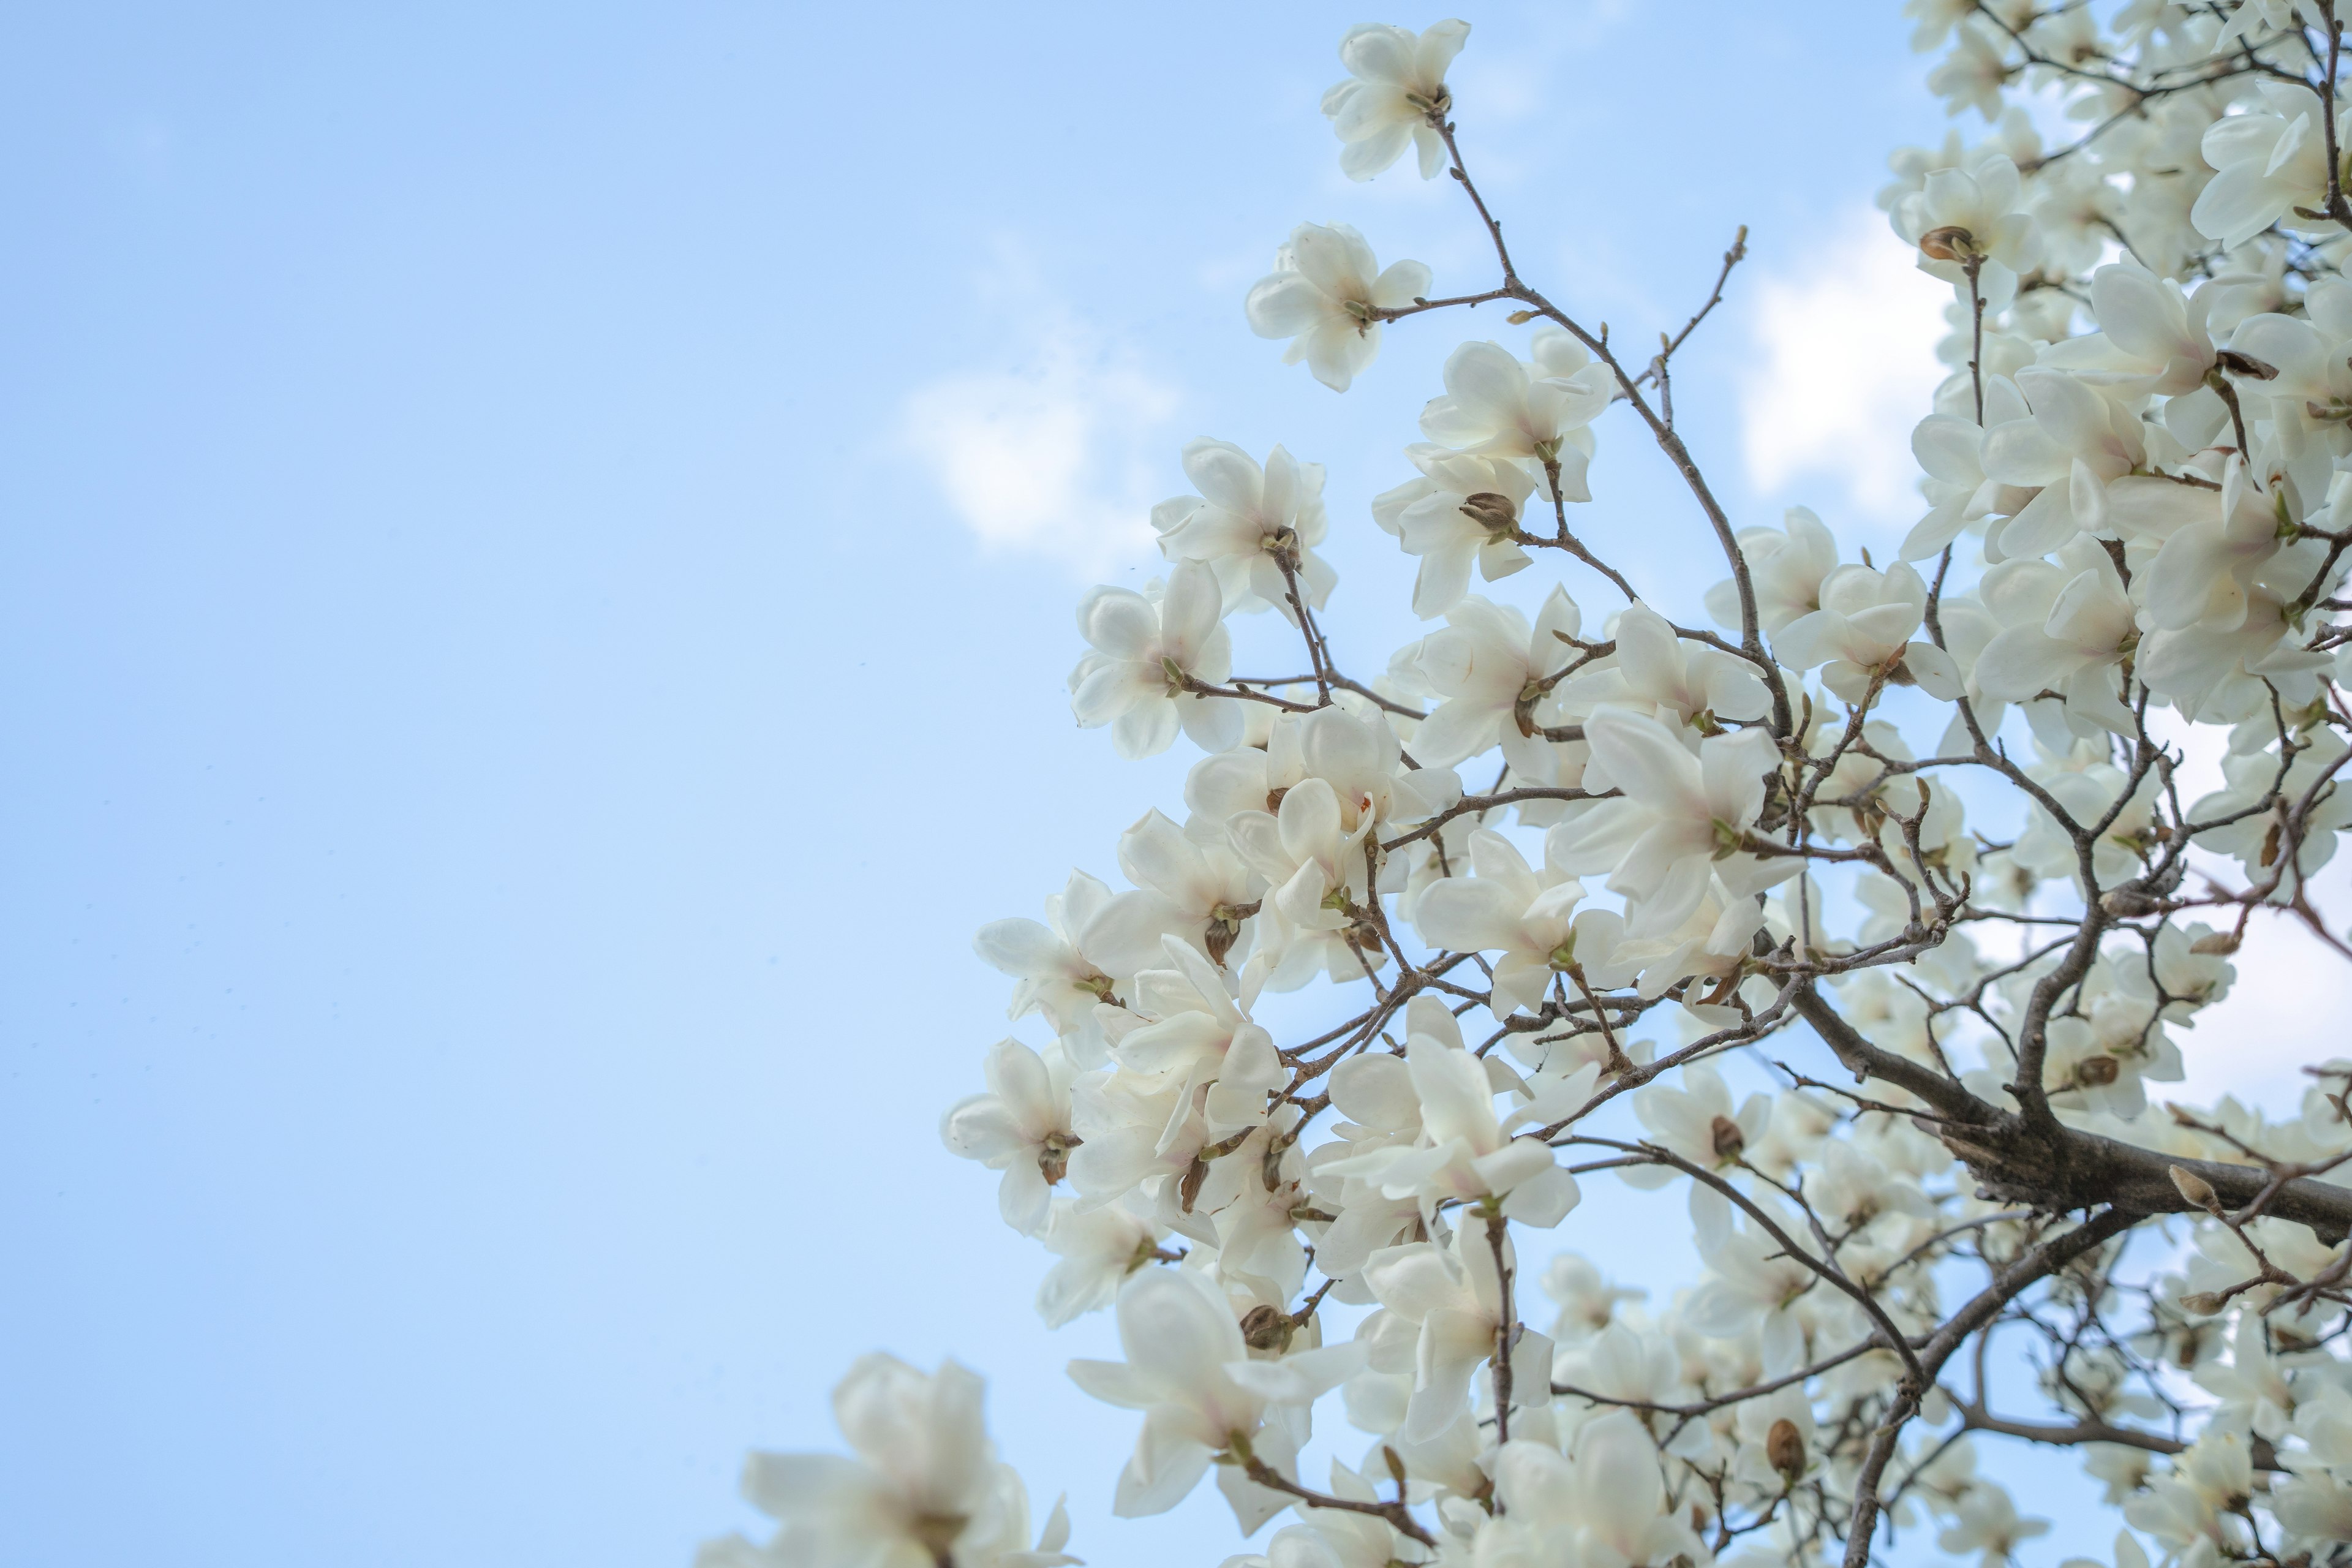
<point>1845,365</point>
<point>1055,453</point>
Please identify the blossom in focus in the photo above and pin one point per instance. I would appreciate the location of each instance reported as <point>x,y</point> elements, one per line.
<point>1396,85</point>
<point>1255,526</point>
<point>1323,295</point>
<point>1494,408</point>
<point>1021,1126</point>
<point>1190,1374</point>
<point>1145,655</point>
<point>1463,510</point>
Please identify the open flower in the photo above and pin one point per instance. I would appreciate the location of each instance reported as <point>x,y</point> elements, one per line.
<point>1255,526</point>
<point>926,1487</point>
<point>1680,814</point>
<point>1190,1373</point>
<point>1323,294</point>
<point>1145,654</point>
<point>1396,85</point>
<point>1021,1126</point>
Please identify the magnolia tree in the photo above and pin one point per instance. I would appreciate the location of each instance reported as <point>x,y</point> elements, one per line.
<point>1905,846</point>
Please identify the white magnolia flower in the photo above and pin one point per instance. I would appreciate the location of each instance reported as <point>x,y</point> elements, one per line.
<point>1972,211</point>
<point>1605,1501</point>
<point>1494,408</point>
<point>1787,565</point>
<point>1451,1296</point>
<point>1189,1372</point>
<point>1092,945</point>
<point>1865,624</point>
<point>2269,164</point>
<point>925,1489</point>
<point>1021,1126</point>
<point>2077,442</point>
<point>1652,668</point>
<point>1482,667</point>
<point>1323,294</point>
<point>1396,85</point>
<point>1098,1247</point>
<point>2066,628</point>
<point>1462,509</point>
<point>1249,523</point>
<point>1680,814</point>
<point>1136,679</point>
<point>1528,917</point>
<point>1463,1152</point>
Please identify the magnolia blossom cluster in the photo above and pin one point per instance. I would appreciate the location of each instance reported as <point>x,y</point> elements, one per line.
<point>1874,915</point>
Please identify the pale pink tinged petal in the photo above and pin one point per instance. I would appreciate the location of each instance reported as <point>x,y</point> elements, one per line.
<point>1494,859</point>
<point>1731,770</point>
<point>1284,305</point>
<point>1337,746</point>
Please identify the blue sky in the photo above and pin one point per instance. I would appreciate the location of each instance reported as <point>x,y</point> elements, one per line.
<point>528,658</point>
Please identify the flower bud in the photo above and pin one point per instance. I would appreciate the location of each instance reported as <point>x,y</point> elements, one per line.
<point>2097,1072</point>
<point>1950,243</point>
<point>1266,1328</point>
<point>1491,511</point>
<point>2215,943</point>
<point>2193,1187</point>
<point>1784,1446</point>
<point>1726,1137</point>
<point>2203,1303</point>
